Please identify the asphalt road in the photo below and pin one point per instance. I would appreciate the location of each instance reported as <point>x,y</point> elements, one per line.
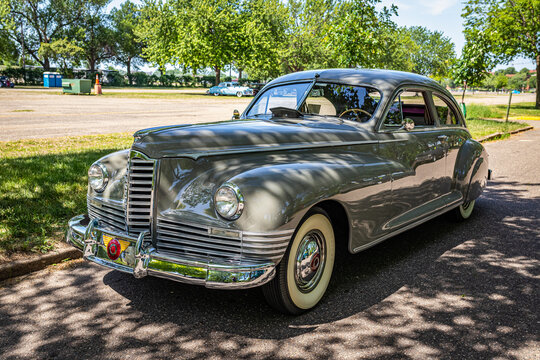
<point>442,290</point>
<point>27,114</point>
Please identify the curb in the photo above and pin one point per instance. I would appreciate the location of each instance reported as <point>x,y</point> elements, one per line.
<point>23,267</point>
<point>499,134</point>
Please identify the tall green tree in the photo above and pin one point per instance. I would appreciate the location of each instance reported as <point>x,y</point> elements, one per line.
<point>354,35</point>
<point>94,34</point>
<point>305,45</point>
<point>158,31</point>
<point>434,53</point>
<point>43,21</point>
<point>64,52</point>
<point>262,38</point>
<point>474,64</point>
<point>511,27</point>
<point>128,48</point>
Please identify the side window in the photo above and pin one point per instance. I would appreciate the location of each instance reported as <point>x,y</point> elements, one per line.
<point>410,104</point>
<point>446,114</point>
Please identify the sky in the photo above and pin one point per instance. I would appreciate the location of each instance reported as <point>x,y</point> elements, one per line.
<point>441,15</point>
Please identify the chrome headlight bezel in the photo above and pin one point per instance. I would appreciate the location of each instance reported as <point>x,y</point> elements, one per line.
<point>99,187</point>
<point>236,210</point>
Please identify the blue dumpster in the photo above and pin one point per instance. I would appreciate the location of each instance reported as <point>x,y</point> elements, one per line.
<point>58,82</point>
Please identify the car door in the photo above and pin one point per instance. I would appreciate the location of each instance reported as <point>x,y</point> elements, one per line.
<point>417,156</point>
<point>452,126</point>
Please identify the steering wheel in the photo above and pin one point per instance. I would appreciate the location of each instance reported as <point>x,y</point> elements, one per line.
<point>355,112</point>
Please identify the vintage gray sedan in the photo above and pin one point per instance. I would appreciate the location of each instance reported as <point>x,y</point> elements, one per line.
<point>318,160</point>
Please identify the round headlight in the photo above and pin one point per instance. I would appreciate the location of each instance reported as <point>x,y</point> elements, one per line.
<point>98,177</point>
<point>228,201</point>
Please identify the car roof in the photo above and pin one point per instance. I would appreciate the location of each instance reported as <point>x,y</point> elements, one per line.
<point>384,80</point>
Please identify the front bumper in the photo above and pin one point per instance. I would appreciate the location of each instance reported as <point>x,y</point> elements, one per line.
<point>141,259</point>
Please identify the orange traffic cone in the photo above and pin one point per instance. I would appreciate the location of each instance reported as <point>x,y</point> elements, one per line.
<point>97,88</point>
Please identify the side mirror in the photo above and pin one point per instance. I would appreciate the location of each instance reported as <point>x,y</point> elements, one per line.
<point>407,124</point>
<point>236,114</point>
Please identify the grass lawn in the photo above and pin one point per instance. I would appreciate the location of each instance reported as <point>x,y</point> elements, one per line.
<point>480,128</point>
<point>43,184</point>
<point>525,111</point>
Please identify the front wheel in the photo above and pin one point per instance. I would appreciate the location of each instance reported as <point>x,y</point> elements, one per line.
<point>239,94</point>
<point>464,211</point>
<point>304,273</point>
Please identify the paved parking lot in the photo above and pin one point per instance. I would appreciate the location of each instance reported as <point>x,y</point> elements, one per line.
<point>443,290</point>
<point>29,114</point>
<point>38,113</point>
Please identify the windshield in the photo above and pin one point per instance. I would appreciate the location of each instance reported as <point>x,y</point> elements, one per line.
<point>288,96</point>
<point>356,103</point>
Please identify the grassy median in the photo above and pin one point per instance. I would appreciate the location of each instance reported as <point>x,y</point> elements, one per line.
<point>43,183</point>
<point>519,111</point>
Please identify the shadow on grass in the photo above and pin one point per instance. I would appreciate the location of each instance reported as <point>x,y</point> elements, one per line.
<point>39,194</point>
<point>441,290</point>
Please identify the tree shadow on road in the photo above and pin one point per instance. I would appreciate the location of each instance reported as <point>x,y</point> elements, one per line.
<point>443,289</point>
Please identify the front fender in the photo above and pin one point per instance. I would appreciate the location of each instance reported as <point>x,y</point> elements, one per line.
<point>471,169</point>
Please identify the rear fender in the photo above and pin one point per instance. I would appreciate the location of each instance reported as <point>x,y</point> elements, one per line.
<point>471,169</point>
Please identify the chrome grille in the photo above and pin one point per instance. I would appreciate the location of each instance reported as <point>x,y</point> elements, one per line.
<point>140,184</point>
<point>182,239</point>
<point>108,214</point>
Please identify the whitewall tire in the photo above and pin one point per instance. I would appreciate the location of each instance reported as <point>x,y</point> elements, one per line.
<point>464,211</point>
<point>304,273</point>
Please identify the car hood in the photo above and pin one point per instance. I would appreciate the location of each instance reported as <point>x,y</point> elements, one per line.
<point>237,136</point>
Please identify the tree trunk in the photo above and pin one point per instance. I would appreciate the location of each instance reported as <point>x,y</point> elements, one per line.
<point>46,64</point>
<point>218,74</point>
<point>537,81</point>
<point>128,66</point>
<point>463,95</point>
<point>239,75</point>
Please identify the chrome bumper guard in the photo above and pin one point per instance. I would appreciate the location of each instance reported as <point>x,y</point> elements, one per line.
<point>141,259</point>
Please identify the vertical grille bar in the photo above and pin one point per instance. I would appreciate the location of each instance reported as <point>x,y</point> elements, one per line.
<point>140,187</point>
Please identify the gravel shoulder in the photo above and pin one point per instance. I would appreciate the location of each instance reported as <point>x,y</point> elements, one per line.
<point>442,290</point>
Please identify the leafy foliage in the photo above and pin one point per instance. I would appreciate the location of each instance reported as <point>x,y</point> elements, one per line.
<point>509,28</point>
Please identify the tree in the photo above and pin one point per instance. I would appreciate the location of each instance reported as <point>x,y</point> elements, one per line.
<point>128,48</point>
<point>158,31</point>
<point>305,47</point>
<point>532,82</point>
<point>501,81</point>
<point>8,48</point>
<point>353,37</point>
<point>262,37</point>
<point>94,35</point>
<point>62,51</point>
<point>510,70</point>
<point>511,28</point>
<point>473,65</point>
<point>434,54</point>
<point>518,81</point>
<point>43,21</point>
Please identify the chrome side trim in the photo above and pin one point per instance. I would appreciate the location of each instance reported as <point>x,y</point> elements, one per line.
<point>407,227</point>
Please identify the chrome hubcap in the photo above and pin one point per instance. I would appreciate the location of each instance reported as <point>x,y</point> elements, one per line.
<point>310,261</point>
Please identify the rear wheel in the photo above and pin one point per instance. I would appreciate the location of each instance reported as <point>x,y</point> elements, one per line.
<point>464,211</point>
<point>304,273</point>
<point>216,94</point>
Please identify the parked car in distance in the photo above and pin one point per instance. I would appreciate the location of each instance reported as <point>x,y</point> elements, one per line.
<point>318,160</point>
<point>230,88</point>
<point>5,82</point>
<point>257,87</point>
